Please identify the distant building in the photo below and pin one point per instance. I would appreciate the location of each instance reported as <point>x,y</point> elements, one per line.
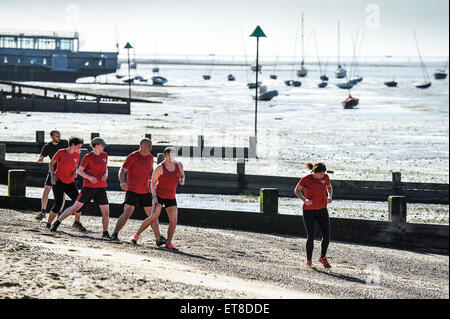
<point>50,57</point>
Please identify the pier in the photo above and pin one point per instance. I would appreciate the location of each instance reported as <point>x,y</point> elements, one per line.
<point>61,100</point>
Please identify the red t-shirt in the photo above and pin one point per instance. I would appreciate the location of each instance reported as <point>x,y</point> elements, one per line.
<point>66,165</point>
<point>95,165</point>
<point>140,170</point>
<point>166,186</point>
<point>315,191</point>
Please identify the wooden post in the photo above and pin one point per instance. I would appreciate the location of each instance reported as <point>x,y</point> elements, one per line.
<point>397,209</point>
<point>252,147</point>
<point>83,152</point>
<point>40,136</point>
<point>17,180</point>
<point>268,198</point>
<point>149,136</point>
<point>396,177</point>
<point>2,152</point>
<point>94,135</point>
<point>241,166</point>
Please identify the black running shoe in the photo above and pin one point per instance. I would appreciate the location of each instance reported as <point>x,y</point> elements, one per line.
<point>55,225</point>
<point>60,213</point>
<point>106,235</point>
<point>114,237</point>
<point>161,241</point>
<point>78,226</point>
<point>48,225</point>
<point>41,215</point>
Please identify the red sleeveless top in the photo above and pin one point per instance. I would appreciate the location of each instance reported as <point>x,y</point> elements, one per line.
<point>166,186</point>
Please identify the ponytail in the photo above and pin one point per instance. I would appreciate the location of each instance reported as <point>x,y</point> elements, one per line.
<point>316,168</point>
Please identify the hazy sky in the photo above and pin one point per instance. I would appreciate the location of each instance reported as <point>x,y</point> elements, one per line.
<point>215,26</point>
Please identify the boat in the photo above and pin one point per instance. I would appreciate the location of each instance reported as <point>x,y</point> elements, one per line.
<point>159,80</point>
<point>119,76</point>
<point>355,79</point>
<point>252,85</point>
<point>392,83</point>
<point>129,80</point>
<point>273,76</point>
<point>267,96</point>
<point>344,85</point>
<point>140,78</point>
<point>340,72</point>
<point>440,74</point>
<point>302,72</point>
<point>155,69</point>
<point>426,83</point>
<point>324,78</point>
<point>231,77</point>
<point>422,85</point>
<point>254,68</point>
<point>322,84</point>
<point>50,57</point>
<point>208,75</point>
<point>350,102</point>
<point>293,83</point>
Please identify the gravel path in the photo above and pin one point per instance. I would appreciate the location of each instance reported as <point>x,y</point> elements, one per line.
<point>211,263</point>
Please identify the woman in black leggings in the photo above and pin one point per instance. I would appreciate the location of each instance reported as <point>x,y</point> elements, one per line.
<point>318,194</point>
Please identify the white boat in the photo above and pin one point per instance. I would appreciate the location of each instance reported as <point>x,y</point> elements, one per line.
<point>340,72</point>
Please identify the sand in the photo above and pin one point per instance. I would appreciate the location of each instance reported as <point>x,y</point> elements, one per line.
<point>211,263</point>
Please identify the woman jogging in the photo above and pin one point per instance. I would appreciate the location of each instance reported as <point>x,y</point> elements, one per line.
<point>318,194</point>
<point>63,178</point>
<point>164,184</point>
<point>94,170</point>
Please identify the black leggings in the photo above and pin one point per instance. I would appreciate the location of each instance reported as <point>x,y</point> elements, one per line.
<point>323,220</point>
<point>59,189</point>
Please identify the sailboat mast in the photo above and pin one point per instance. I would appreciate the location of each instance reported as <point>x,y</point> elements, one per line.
<point>303,37</point>
<point>339,42</point>
<point>424,69</point>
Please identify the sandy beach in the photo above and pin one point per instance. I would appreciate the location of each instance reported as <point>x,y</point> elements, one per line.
<point>211,263</point>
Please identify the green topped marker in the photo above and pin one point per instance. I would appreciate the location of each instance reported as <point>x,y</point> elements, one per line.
<point>128,47</point>
<point>257,33</point>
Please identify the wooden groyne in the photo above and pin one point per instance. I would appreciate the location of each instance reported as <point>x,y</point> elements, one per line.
<point>199,150</point>
<point>241,183</point>
<point>62,100</point>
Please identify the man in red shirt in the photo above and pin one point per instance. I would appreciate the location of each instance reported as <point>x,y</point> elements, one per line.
<point>66,161</point>
<point>165,180</point>
<point>138,168</point>
<point>318,194</point>
<point>94,170</point>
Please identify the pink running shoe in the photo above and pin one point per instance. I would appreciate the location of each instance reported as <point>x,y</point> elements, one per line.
<point>324,262</point>
<point>309,263</point>
<point>135,239</point>
<point>170,246</point>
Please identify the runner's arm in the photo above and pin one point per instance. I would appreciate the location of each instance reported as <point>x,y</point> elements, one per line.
<point>40,159</point>
<point>182,178</point>
<point>330,193</point>
<point>297,192</point>
<point>155,176</point>
<point>51,168</point>
<point>122,172</point>
<point>82,173</point>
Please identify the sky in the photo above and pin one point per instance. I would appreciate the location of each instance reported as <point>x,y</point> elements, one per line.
<point>200,27</point>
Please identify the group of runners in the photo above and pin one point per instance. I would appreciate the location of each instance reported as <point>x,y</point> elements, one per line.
<point>153,189</point>
<point>134,176</point>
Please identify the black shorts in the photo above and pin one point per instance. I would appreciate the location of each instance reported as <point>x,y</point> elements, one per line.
<point>167,202</point>
<point>48,180</point>
<point>98,194</point>
<point>135,199</point>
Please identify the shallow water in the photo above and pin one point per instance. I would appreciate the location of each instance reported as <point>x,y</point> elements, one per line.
<point>393,129</point>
